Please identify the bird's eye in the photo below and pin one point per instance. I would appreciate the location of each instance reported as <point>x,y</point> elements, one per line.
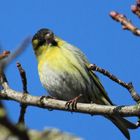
<point>48,35</point>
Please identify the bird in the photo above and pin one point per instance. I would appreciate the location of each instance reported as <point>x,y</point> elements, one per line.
<point>64,72</point>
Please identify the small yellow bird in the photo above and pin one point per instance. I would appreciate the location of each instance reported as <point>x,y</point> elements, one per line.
<point>63,71</point>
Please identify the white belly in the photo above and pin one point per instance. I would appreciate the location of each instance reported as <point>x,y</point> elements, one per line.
<point>65,86</point>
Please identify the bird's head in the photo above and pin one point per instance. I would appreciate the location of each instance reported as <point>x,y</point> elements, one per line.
<point>42,39</point>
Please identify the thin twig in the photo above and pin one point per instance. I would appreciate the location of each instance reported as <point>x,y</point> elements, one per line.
<point>25,91</point>
<point>4,54</point>
<point>126,24</point>
<point>136,10</point>
<point>2,75</point>
<point>23,77</point>
<point>128,86</point>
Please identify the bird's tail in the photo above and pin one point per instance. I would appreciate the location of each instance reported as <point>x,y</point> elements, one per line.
<point>122,124</point>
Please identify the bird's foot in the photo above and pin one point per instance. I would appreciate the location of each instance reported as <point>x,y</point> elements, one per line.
<point>46,97</point>
<point>72,104</point>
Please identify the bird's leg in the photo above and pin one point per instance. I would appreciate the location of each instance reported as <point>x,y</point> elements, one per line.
<point>72,104</point>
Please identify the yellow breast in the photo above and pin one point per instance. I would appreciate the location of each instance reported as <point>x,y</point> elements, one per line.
<point>55,58</point>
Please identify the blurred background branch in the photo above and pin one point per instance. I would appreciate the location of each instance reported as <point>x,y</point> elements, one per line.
<point>20,49</point>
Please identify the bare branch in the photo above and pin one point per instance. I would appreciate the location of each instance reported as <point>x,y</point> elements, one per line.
<point>126,24</point>
<point>9,94</point>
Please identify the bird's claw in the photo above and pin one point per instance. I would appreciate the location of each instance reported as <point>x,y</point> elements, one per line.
<point>72,104</point>
<point>46,97</point>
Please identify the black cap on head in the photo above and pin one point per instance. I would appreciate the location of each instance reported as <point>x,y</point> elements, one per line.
<point>45,35</point>
<point>41,34</point>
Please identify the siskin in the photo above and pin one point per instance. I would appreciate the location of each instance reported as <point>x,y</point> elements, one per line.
<point>63,71</point>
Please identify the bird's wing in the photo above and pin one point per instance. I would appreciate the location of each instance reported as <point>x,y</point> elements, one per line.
<point>100,86</point>
<point>84,62</point>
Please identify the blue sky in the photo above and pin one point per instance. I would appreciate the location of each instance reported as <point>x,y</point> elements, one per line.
<point>87,25</point>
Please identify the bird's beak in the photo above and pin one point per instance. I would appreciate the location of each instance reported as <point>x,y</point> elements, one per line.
<point>51,40</point>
